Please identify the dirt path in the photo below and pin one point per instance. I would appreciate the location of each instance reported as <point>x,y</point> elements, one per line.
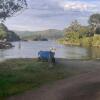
<point>83,87</point>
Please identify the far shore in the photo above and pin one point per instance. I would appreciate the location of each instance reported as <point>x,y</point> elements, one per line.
<point>77,44</point>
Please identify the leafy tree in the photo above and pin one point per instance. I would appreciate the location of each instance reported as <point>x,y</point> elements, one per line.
<point>98,30</point>
<point>3,31</point>
<point>9,7</point>
<point>6,34</point>
<point>94,19</point>
<point>84,31</point>
<point>72,30</point>
<point>76,31</point>
<point>94,22</point>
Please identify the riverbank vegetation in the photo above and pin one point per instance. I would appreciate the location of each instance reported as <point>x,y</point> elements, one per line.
<point>77,34</point>
<point>7,9</point>
<point>7,36</point>
<point>19,75</point>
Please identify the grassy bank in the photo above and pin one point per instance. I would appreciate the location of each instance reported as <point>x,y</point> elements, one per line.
<point>85,41</point>
<point>20,75</point>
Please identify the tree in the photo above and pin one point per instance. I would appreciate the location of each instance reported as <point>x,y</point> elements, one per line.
<point>94,22</point>
<point>9,7</point>
<point>75,25</point>
<point>76,31</point>
<point>94,19</point>
<point>98,31</point>
<point>3,31</point>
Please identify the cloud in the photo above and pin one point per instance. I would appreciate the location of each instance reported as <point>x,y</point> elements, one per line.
<point>42,14</point>
<point>44,5</point>
<point>77,5</point>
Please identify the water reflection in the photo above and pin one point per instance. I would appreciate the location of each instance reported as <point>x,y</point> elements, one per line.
<point>93,52</point>
<point>73,52</point>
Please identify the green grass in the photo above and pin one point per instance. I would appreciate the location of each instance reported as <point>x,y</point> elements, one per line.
<point>19,75</point>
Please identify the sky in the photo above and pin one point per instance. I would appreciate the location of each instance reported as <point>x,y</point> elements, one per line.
<point>53,14</point>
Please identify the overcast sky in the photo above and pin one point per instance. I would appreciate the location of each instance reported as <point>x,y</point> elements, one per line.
<point>53,14</point>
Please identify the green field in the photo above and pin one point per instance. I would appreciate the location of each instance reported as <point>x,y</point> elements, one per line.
<point>19,75</point>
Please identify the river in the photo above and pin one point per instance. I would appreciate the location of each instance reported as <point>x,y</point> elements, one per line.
<point>30,50</point>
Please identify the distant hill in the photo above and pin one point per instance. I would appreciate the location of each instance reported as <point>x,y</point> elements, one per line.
<point>7,35</point>
<point>49,34</point>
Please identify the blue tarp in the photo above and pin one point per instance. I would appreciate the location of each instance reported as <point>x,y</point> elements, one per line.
<point>45,55</point>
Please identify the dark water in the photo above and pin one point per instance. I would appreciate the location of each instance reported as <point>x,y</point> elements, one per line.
<point>30,50</point>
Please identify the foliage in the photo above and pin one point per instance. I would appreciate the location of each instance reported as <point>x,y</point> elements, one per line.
<point>9,7</point>
<point>83,35</point>
<point>12,36</point>
<point>91,41</point>
<point>76,31</point>
<point>98,30</point>
<point>6,34</point>
<point>87,41</point>
<point>94,19</point>
<point>94,22</point>
<point>96,40</point>
<point>3,33</point>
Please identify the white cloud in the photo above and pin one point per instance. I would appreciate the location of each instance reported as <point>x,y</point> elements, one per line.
<point>81,6</point>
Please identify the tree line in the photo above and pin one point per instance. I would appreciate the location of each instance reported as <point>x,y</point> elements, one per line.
<point>77,32</point>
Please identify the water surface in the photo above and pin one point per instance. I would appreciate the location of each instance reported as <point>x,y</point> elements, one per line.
<point>30,50</point>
